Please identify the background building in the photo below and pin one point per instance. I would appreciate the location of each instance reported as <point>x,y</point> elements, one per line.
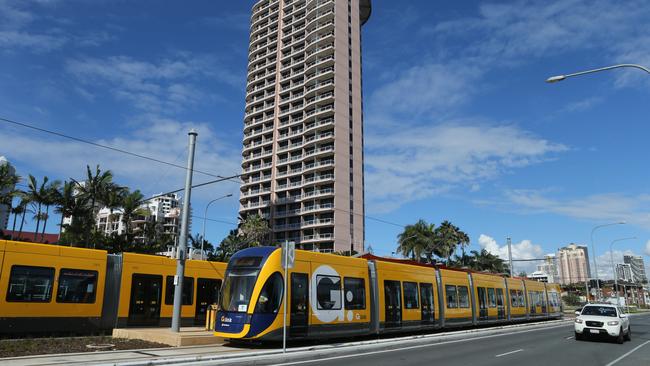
<point>624,272</point>
<point>163,214</point>
<point>5,210</point>
<point>573,264</point>
<point>303,126</point>
<point>637,266</point>
<point>548,268</point>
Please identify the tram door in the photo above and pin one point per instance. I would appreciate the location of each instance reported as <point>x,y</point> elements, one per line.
<point>501,309</point>
<point>542,298</point>
<point>426,296</point>
<point>482,303</point>
<point>207,293</point>
<point>393,304</point>
<point>146,292</point>
<point>299,305</point>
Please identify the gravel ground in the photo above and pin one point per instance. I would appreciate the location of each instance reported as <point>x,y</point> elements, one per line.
<point>40,346</point>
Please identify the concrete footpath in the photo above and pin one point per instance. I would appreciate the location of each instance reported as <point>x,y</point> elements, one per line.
<point>226,354</point>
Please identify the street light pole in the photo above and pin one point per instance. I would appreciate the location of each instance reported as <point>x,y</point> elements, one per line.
<point>593,252</point>
<point>611,258</point>
<point>205,215</point>
<point>555,79</point>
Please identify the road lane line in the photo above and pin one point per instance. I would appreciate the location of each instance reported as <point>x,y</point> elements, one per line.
<point>509,353</point>
<point>405,348</point>
<point>627,354</point>
<point>568,337</point>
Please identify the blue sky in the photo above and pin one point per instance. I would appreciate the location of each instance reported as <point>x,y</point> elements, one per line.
<point>459,122</point>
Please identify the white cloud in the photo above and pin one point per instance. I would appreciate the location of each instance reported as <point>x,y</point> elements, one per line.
<point>160,138</point>
<point>601,207</point>
<point>419,162</point>
<point>525,249</point>
<point>169,84</point>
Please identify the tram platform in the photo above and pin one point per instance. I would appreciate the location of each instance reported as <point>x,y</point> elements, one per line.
<point>188,336</point>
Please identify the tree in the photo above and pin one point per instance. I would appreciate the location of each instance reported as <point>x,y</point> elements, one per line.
<point>8,182</point>
<point>92,189</point>
<point>49,196</point>
<point>36,194</point>
<point>446,238</point>
<point>131,208</point>
<point>230,245</point>
<point>64,202</point>
<point>255,230</point>
<point>486,261</point>
<point>415,239</point>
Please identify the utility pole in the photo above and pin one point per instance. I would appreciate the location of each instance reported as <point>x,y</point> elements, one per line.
<point>512,270</point>
<point>182,242</point>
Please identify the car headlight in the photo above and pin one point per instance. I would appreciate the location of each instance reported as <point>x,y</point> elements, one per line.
<point>578,320</point>
<point>615,322</point>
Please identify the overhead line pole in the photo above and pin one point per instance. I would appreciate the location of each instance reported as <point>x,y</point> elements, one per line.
<point>182,243</point>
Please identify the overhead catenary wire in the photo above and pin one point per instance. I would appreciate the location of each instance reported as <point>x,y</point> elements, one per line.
<point>115,149</point>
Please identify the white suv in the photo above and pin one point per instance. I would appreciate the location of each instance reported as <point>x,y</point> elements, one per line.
<point>603,320</point>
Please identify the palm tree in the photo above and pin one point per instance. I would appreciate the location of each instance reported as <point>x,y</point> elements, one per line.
<point>18,210</point>
<point>112,197</point>
<point>92,190</point>
<point>64,202</point>
<point>49,196</point>
<point>255,230</point>
<point>486,261</point>
<point>415,239</point>
<point>132,207</point>
<point>8,181</point>
<point>446,238</point>
<point>36,194</point>
<point>230,245</point>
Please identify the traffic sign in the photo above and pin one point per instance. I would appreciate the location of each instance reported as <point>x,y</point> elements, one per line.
<point>288,254</point>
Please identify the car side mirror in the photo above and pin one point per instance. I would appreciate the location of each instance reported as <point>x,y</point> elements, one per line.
<point>623,316</point>
<point>577,312</point>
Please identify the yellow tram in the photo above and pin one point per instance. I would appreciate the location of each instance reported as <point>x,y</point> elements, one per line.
<point>334,296</point>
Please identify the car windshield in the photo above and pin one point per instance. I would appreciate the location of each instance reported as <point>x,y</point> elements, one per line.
<point>599,311</point>
<point>237,289</point>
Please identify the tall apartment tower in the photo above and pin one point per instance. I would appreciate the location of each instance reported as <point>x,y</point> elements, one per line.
<point>573,264</point>
<point>637,266</point>
<point>303,126</point>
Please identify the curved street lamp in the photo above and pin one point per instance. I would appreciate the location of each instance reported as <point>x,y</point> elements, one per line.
<point>205,215</point>
<point>593,252</point>
<point>555,79</point>
<point>611,258</point>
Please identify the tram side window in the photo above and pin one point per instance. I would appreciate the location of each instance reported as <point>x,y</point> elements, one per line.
<point>411,295</point>
<point>452,297</point>
<point>328,292</point>
<point>500,301</point>
<point>30,284</point>
<point>463,297</point>
<point>77,286</point>
<point>355,293</point>
<point>271,295</point>
<point>492,298</point>
<point>514,300</point>
<point>188,291</point>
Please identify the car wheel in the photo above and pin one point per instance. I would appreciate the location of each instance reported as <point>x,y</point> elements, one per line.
<point>620,338</point>
<point>628,336</point>
<point>578,336</point>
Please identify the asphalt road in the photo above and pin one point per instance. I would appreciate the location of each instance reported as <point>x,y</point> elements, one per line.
<point>552,346</point>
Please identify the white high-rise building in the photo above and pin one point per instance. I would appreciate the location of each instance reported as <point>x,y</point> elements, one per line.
<point>303,125</point>
<point>5,210</point>
<point>637,266</point>
<point>162,210</point>
<point>549,268</point>
<point>624,272</point>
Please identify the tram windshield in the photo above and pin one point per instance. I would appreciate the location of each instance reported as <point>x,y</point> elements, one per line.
<point>237,289</point>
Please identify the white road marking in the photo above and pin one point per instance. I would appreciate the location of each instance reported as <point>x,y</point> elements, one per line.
<point>509,353</point>
<point>568,337</point>
<point>629,353</point>
<point>410,347</point>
